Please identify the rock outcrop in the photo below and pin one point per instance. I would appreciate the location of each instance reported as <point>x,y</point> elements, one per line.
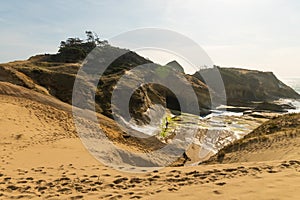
<point>176,66</point>
<point>244,85</point>
<point>249,88</point>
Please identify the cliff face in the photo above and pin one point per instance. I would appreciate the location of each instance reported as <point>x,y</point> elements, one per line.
<point>245,86</point>
<point>57,79</point>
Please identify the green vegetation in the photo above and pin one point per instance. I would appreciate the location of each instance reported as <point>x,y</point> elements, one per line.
<point>167,124</point>
<point>163,127</point>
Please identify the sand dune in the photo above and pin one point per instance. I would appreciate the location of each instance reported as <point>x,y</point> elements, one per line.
<point>42,158</point>
<point>276,139</point>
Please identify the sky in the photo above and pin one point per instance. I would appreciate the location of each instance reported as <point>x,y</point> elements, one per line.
<point>254,34</point>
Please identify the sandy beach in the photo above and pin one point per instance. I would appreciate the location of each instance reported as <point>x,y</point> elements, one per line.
<point>42,158</point>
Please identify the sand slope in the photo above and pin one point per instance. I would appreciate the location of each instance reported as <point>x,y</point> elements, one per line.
<point>42,158</point>
<point>276,139</point>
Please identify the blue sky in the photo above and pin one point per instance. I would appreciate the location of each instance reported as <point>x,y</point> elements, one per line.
<point>256,34</point>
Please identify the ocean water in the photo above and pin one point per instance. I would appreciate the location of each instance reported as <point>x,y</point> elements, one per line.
<point>293,83</point>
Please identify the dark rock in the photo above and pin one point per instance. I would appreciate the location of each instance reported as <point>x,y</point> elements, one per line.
<point>175,66</point>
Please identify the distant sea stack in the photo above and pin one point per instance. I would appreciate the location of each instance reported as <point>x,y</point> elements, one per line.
<point>175,66</point>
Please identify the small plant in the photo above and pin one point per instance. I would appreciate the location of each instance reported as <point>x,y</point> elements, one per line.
<point>166,121</point>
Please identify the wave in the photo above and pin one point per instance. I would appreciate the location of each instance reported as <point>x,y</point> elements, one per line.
<point>217,113</point>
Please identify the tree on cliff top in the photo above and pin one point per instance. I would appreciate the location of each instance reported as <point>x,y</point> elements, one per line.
<point>74,49</point>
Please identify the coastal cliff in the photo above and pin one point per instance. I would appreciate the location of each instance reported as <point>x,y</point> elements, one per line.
<point>255,90</point>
